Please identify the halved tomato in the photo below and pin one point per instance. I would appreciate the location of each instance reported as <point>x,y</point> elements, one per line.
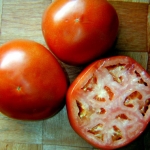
<point>108,104</point>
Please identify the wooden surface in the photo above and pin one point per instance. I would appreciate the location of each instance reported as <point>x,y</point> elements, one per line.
<point>22,19</point>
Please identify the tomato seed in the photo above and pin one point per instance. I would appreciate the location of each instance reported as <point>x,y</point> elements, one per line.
<point>133,96</point>
<point>102,111</point>
<point>110,93</point>
<point>122,116</point>
<point>114,69</point>
<point>101,99</point>
<point>117,134</point>
<point>143,110</point>
<point>82,112</point>
<point>90,84</point>
<point>96,130</point>
<point>137,74</point>
<point>140,81</point>
<point>145,107</point>
<point>147,101</point>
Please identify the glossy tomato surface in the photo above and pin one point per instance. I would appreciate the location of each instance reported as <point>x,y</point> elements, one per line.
<point>108,104</point>
<point>78,31</point>
<point>32,82</point>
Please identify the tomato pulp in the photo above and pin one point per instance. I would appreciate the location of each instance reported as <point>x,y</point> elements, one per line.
<point>108,104</point>
<point>32,82</point>
<point>79,31</point>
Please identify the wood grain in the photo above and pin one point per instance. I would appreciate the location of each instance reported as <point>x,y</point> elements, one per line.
<point>133,1</point>
<point>22,132</point>
<point>132,34</point>
<point>52,133</point>
<point>1,8</point>
<point>22,19</point>
<point>13,146</point>
<point>57,147</point>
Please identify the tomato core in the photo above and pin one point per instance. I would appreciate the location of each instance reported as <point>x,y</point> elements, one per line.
<point>18,88</point>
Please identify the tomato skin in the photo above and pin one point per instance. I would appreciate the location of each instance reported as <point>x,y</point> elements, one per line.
<point>114,117</point>
<point>79,31</point>
<point>32,82</point>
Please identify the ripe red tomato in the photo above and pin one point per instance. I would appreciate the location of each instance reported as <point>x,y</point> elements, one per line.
<point>32,83</point>
<point>79,31</point>
<point>108,104</point>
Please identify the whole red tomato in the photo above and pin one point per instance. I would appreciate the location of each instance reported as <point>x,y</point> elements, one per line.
<point>78,31</point>
<point>32,83</point>
<point>108,104</point>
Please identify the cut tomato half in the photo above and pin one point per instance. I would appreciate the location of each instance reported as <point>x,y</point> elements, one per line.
<point>108,104</point>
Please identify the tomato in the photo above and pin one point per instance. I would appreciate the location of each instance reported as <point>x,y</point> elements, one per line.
<point>108,104</point>
<point>79,31</point>
<point>32,82</point>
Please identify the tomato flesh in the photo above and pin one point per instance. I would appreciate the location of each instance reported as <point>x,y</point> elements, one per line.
<point>32,82</point>
<point>108,104</point>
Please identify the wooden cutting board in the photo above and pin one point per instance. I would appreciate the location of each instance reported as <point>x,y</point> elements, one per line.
<point>22,19</point>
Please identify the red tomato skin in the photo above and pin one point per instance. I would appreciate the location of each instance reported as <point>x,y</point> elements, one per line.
<point>79,31</point>
<point>81,79</point>
<point>32,82</point>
